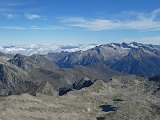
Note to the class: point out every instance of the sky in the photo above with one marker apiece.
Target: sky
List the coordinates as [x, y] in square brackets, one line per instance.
[79, 21]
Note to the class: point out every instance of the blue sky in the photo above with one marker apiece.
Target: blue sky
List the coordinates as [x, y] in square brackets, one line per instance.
[79, 21]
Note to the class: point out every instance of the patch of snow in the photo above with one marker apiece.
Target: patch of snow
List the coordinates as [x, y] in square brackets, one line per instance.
[124, 48]
[133, 46]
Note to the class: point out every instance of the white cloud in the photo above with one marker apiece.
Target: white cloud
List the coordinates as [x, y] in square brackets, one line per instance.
[12, 27]
[155, 40]
[95, 24]
[141, 21]
[151, 40]
[155, 13]
[33, 28]
[32, 16]
[41, 49]
[9, 16]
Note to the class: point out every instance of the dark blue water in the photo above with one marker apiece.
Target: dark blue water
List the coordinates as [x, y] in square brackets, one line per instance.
[108, 108]
[100, 118]
[118, 100]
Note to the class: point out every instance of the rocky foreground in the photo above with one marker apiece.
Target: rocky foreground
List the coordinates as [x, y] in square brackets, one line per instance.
[135, 98]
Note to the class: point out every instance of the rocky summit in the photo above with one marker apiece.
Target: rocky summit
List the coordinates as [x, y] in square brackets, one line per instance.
[122, 98]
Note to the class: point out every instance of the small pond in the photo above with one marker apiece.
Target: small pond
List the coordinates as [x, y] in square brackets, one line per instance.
[108, 108]
[118, 100]
[100, 118]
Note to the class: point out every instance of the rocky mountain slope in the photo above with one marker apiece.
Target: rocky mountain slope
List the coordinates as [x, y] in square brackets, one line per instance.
[139, 62]
[120, 57]
[132, 97]
[20, 74]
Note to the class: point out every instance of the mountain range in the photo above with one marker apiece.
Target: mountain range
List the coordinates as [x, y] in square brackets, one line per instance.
[110, 81]
[132, 58]
[48, 73]
[31, 74]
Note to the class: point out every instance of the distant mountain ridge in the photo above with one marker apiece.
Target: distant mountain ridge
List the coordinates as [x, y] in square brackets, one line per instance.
[132, 58]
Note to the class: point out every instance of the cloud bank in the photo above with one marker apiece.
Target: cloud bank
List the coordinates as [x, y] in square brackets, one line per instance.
[42, 49]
